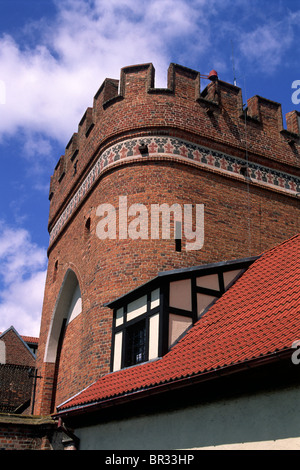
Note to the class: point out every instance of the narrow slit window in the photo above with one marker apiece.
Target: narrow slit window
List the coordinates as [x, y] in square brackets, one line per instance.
[87, 225]
[55, 270]
[178, 236]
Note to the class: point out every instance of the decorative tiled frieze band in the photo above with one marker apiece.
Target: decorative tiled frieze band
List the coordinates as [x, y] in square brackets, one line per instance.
[173, 147]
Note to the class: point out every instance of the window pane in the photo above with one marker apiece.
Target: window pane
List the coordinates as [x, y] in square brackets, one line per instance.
[136, 308]
[154, 298]
[119, 316]
[135, 344]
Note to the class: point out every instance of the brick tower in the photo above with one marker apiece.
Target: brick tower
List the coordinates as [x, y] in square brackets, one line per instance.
[144, 145]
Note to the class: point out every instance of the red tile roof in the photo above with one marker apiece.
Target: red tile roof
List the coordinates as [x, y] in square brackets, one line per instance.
[30, 339]
[257, 317]
[27, 339]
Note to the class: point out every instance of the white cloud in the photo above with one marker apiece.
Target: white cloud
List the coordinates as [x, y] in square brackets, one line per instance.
[21, 305]
[22, 281]
[49, 85]
[48, 79]
[265, 35]
[267, 44]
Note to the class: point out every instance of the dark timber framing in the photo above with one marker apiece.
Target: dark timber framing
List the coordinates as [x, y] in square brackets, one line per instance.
[162, 282]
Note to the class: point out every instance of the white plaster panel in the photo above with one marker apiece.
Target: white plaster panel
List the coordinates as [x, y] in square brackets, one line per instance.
[178, 324]
[229, 276]
[180, 294]
[76, 305]
[118, 351]
[209, 282]
[203, 302]
[153, 336]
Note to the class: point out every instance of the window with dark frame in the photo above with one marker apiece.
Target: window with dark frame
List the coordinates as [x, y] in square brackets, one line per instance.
[142, 323]
[135, 344]
[134, 324]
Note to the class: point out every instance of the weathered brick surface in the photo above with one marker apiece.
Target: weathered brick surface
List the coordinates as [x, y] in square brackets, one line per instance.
[15, 381]
[16, 351]
[241, 219]
[180, 110]
[28, 433]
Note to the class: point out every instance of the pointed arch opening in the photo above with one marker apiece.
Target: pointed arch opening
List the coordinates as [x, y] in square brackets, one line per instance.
[68, 307]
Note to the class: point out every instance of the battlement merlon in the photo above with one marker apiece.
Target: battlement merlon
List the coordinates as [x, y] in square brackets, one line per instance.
[184, 83]
[122, 107]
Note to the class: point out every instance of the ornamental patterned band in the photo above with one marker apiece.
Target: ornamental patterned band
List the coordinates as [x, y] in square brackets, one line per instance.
[169, 147]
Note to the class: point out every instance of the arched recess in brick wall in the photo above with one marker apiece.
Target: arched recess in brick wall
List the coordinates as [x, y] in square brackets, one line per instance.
[68, 307]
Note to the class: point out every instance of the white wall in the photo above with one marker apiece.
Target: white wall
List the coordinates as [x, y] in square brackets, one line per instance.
[2, 352]
[266, 420]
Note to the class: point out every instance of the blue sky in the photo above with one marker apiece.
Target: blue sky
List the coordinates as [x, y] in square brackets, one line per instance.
[54, 55]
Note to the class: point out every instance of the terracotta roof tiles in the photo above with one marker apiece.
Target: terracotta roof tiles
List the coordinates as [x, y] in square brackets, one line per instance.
[257, 316]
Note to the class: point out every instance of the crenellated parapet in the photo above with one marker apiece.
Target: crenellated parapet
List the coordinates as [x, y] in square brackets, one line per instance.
[215, 119]
[229, 168]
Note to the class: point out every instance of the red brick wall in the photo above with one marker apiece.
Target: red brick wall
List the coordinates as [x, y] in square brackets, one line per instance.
[240, 219]
[22, 433]
[108, 269]
[16, 350]
[179, 110]
[16, 385]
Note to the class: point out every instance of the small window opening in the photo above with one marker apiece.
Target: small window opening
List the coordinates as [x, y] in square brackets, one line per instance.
[135, 344]
[55, 270]
[88, 224]
[178, 236]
